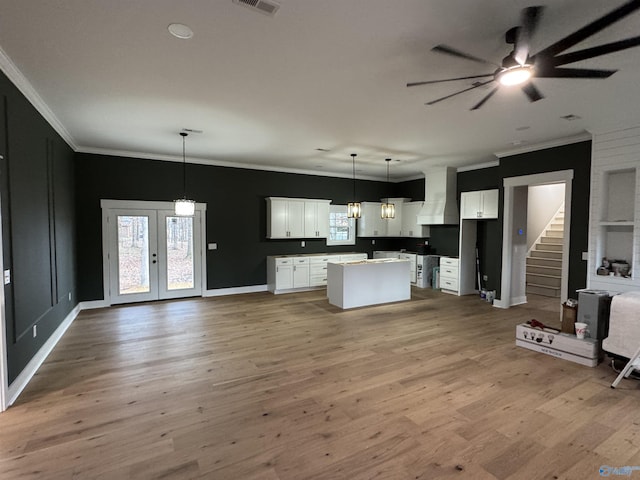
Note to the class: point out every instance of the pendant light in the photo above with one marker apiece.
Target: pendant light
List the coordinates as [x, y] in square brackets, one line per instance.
[353, 208]
[388, 210]
[184, 207]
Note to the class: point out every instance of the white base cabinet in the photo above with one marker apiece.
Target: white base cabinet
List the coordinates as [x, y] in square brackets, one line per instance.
[294, 273]
[449, 282]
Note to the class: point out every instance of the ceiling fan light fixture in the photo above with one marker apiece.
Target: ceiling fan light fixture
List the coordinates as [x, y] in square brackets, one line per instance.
[515, 75]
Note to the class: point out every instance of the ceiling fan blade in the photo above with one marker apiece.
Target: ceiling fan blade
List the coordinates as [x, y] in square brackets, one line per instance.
[573, 73]
[590, 29]
[428, 82]
[529, 23]
[479, 84]
[487, 97]
[596, 51]
[457, 53]
[532, 92]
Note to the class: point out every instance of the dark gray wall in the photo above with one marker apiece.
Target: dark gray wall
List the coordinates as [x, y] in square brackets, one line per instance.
[38, 221]
[236, 214]
[576, 157]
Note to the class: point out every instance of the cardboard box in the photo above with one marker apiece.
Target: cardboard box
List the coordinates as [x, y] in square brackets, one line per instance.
[569, 315]
[559, 345]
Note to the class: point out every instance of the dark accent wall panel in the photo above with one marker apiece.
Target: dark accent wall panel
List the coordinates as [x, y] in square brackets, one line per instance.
[576, 157]
[38, 221]
[236, 212]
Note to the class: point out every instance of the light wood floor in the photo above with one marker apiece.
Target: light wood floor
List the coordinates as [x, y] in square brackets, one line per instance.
[287, 387]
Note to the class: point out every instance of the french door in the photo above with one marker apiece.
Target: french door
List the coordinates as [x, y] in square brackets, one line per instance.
[153, 255]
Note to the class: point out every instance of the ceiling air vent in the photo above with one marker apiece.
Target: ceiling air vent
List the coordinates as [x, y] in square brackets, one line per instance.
[262, 6]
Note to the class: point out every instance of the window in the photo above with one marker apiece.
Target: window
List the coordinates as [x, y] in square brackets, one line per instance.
[342, 230]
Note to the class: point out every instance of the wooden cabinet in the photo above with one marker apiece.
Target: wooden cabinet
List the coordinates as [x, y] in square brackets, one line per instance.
[449, 275]
[297, 218]
[410, 227]
[316, 218]
[481, 204]
[285, 218]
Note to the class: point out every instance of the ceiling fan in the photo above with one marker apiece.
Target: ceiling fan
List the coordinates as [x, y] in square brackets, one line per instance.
[520, 66]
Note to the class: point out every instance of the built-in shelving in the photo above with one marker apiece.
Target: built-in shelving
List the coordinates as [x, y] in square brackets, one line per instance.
[615, 219]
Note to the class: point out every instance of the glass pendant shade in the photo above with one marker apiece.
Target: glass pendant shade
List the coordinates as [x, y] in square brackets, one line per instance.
[388, 210]
[182, 206]
[354, 210]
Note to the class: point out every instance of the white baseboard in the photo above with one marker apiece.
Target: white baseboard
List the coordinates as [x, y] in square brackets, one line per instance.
[93, 304]
[218, 292]
[25, 376]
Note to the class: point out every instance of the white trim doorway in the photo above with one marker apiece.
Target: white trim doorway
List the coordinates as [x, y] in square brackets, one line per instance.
[155, 210]
[513, 277]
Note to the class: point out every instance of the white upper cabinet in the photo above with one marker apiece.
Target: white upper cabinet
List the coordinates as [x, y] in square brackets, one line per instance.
[371, 223]
[410, 227]
[297, 218]
[316, 218]
[480, 204]
[405, 223]
[285, 218]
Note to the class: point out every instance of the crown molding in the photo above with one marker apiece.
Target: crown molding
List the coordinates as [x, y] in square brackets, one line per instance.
[479, 166]
[543, 145]
[220, 163]
[20, 81]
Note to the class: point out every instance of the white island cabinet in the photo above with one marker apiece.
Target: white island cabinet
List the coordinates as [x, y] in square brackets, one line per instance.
[368, 282]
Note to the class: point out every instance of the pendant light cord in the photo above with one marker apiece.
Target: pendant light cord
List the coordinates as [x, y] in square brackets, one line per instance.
[353, 160]
[184, 164]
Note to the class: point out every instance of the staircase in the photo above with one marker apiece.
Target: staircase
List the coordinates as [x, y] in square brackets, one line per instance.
[544, 262]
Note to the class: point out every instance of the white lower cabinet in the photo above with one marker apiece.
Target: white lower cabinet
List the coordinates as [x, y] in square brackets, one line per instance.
[449, 268]
[303, 272]
[300, 272]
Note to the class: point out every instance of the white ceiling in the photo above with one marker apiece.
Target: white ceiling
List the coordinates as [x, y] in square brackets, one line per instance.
[331, 74]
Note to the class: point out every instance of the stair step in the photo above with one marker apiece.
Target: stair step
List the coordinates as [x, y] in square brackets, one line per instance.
[545, 270]
[545, 262]
[556, 225]
[545, 280]
[543, 290]
[551, 239]
[546, 254]
[551, 247]
[554, 233]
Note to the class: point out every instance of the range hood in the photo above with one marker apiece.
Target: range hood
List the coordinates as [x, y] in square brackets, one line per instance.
[440, 198]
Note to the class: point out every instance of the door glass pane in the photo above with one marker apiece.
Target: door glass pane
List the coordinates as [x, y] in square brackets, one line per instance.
[180, 271]
[133, 254]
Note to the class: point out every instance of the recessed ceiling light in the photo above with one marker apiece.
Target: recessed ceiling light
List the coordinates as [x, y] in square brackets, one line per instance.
[180, 30]
[571, 117]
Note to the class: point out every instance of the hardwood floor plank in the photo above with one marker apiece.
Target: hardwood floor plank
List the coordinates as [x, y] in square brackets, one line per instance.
[285, 387]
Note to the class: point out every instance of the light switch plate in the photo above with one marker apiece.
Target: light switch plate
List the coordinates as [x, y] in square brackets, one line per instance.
[585, 255]
[212, 246]
[7, 277]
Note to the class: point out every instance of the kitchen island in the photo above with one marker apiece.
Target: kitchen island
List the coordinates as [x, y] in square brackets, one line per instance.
[368, 282]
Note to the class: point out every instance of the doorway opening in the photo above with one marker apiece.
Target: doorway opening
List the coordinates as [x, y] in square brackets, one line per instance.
[516, 243]
[149, 253]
